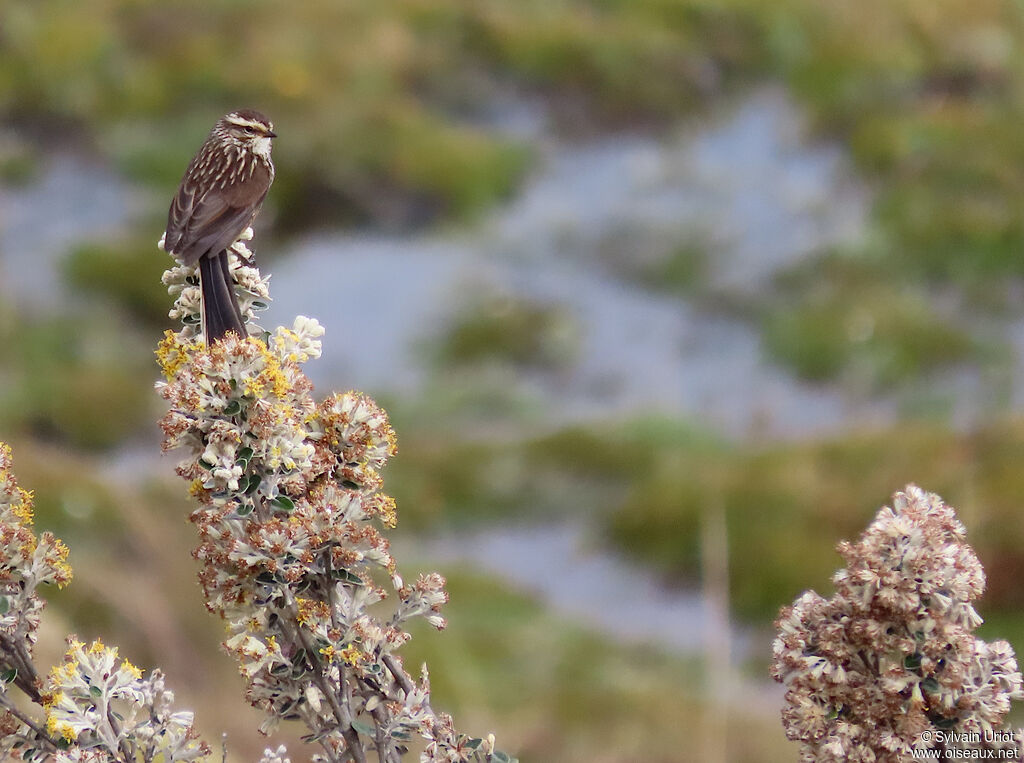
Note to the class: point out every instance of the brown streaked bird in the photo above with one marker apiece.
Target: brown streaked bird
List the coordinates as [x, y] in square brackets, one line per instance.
[220, 195]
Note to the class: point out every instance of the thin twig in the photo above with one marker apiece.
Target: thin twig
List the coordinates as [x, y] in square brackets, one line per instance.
[343, 717]
[36, 728]
[26, 669]
[123, 744]
[385, 751]
[400, 675]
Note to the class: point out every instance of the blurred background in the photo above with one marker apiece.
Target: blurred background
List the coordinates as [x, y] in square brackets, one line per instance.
[665, 298]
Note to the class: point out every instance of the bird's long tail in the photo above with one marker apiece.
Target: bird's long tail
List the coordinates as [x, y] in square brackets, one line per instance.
[221, 313]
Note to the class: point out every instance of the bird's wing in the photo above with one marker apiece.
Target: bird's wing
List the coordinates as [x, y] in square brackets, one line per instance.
[179, 216]
[205, 224]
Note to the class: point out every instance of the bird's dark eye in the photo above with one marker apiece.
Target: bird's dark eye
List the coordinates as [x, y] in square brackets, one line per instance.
[249, 130]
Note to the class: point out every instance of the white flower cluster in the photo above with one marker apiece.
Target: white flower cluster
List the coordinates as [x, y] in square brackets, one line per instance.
[290, 522]
[279, 755]
[26, 562]
[96, 708]
[251, 289]
[889, 664]
[104, 711]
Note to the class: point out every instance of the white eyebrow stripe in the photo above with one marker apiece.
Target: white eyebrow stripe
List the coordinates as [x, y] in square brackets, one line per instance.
[242, 122]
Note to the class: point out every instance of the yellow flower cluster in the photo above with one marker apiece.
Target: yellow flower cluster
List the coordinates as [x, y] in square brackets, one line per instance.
[89, 689]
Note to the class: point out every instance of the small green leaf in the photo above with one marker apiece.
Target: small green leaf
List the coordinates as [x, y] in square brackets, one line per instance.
[472, 744]
[244, 510]
[5, 605]
[284, 503]
[191, 320]
[254, 483]
[205, 464]
[912, 661]
[348, 577]
[364, 728]
[930, 685]
[257, 305]
[96, 691]
[244, 456]
[233, 408]
[8, 676]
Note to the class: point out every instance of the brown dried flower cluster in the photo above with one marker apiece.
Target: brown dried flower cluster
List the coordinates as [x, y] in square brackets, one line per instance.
[889, 665]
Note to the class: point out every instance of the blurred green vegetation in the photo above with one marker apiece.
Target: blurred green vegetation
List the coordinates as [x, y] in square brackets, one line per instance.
[126, 273]
[682, 273]
[84, 379]
[787, 505]
[388, 114]
[382, 99]
[563, 693]
[927, 107]
[516, 331]
[380, 102]
[839, 314]
[926, 97]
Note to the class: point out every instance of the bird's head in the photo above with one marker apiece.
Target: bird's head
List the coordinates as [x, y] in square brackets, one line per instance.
[247, 129]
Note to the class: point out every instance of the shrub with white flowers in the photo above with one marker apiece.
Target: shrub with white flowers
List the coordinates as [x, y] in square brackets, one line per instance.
[95, 706]
[888, 666]
[291, 526]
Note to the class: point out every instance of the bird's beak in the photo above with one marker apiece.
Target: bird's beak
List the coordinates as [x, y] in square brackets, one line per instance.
[271, 134]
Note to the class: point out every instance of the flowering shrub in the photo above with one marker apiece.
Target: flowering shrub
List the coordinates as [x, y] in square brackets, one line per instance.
[96, 709]
[111, 712]
[290, 520]
[888, 665]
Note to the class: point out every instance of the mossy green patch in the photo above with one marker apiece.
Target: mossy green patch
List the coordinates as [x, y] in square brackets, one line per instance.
[840, 315]
[510, 330]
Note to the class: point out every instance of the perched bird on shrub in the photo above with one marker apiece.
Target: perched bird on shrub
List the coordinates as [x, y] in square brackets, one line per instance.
[220, 195]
